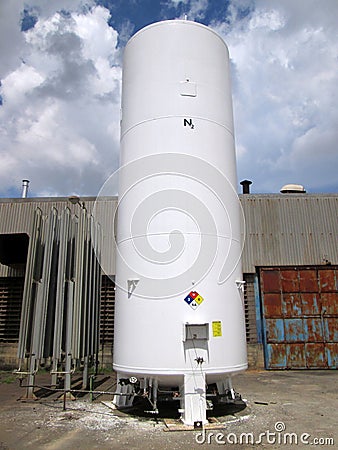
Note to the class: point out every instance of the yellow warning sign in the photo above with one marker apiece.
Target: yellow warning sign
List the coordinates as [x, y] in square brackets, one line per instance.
[217, 328]
[199, 299]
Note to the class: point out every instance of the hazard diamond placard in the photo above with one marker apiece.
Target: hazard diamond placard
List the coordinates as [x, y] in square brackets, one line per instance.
[194, 299]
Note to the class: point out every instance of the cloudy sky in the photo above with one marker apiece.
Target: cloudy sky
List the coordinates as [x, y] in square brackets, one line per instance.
[60, 72]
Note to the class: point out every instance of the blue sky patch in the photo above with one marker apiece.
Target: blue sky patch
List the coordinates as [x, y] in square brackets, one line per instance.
[28, 19]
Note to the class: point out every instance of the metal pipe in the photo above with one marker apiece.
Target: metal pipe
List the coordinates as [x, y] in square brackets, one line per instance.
[25, 184]
[61, 291]
[68, 343]
[39, 323]
[64, 400]
[27, 297]
[55, 372]
[91, 383]
[246, 186]
[79, 391]
[155, 387]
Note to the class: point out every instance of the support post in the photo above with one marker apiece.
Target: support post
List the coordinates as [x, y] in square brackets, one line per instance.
[85, 373]
[31, 379]
[69, 356]
[193, 401]
[154, 399]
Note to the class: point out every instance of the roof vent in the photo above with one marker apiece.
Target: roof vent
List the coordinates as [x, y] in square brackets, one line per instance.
[293, 189]
[25, 185]
[246, 186]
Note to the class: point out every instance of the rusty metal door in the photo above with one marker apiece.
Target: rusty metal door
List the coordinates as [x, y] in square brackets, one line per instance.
[300, 317]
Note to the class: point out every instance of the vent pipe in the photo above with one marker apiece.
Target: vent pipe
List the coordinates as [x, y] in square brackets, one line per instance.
[25, 184]
[246, 186]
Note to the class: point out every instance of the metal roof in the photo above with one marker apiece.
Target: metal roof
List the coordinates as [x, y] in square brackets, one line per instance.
[281, 229]
[290, 229]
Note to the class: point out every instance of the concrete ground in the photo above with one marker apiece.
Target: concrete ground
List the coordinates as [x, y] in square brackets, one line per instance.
[285, 409]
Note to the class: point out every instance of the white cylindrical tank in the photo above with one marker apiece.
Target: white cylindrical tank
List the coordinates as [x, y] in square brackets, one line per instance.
[179, 307]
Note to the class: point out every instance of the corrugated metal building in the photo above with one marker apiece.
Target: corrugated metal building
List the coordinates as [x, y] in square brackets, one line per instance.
[290, 264]
[47, 262]
[290, 260]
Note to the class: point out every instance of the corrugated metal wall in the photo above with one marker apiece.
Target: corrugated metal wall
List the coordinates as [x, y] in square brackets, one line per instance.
[17, 215]
[289, 229]
[281, 229]
[17, 218]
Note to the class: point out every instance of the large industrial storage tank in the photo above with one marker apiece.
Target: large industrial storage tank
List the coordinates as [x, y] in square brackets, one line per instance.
[179, 317]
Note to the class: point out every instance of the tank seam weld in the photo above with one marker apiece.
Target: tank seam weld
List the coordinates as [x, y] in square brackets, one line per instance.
[189, 233]
[176, 116]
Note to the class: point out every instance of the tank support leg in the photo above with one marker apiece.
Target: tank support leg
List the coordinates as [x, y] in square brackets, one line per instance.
[225, 387]
[155, 388]
[124, 394]
[193, 401]
[226, 392]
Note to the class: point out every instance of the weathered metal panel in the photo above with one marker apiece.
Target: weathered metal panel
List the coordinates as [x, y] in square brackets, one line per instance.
[294, 331]
[272, 305]
[315, 356]
[290, 230]
[330, 326]
[291, 304]
[327, 280]
[274, 330]
[300, 317]
[310, 304]
[332, 355]
[329, 303]
[295, 356]
[290, 280]
[271, 281]
[276, 356]
[308, 281]
[313, 329]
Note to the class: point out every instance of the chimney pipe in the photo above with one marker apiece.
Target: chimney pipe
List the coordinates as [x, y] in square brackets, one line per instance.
[246, 186]
[25, 184]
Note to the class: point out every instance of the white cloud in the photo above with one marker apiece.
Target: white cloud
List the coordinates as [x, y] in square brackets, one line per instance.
[18, 83]
[98, 39]
[60, 112]
[284, 58]
[11, 38]
[197, 9]
[194, 9]
[175, 3]
[59, 122]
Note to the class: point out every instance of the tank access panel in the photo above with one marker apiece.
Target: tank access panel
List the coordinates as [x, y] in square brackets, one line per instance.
[198, 331]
